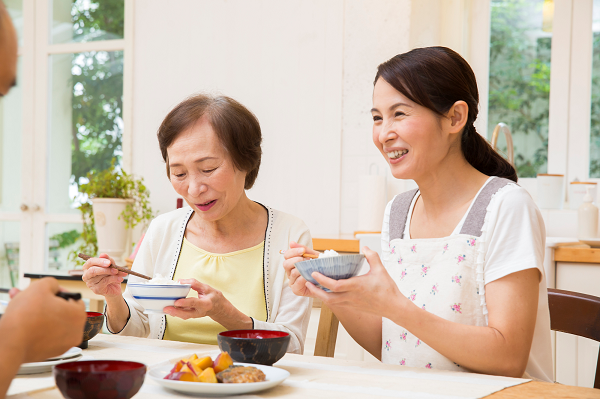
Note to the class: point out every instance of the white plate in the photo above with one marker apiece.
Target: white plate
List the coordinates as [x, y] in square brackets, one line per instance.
[72, 355]
[275, 376]
[592, 242]
[74, 351]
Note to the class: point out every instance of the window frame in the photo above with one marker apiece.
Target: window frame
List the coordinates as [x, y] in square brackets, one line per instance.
[36, 80]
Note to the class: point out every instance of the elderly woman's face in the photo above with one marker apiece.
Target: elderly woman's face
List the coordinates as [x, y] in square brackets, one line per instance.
[202, 173]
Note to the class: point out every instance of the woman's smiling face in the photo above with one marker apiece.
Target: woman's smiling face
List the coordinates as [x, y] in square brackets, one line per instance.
[409, 136]
[201, 171]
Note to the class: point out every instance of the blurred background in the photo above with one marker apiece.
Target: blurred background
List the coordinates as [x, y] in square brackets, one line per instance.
[97, 77]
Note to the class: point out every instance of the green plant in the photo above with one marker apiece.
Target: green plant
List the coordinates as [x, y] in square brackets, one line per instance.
[66, 238]
[112, 183]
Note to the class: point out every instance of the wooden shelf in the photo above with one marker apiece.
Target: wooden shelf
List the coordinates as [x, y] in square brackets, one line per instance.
[351, 245]
[577, 255]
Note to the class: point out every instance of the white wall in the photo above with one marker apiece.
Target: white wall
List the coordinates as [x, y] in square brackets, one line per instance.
[372, 35]
[306, 69]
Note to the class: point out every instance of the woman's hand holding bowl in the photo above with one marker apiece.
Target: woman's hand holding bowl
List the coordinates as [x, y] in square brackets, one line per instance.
[296, 281]
[375, 292]
[208, 302]
[101, 278]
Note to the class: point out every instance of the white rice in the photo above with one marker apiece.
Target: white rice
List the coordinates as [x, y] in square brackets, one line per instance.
[160, 280]
[328, 254]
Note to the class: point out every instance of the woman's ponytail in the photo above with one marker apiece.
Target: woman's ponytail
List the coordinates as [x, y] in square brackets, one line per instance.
[480, 154]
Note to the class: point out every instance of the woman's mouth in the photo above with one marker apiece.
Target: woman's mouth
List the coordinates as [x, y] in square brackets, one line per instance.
[206, 206]
[396, 156]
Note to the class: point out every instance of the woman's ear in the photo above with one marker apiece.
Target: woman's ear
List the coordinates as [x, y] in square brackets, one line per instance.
[457, 116]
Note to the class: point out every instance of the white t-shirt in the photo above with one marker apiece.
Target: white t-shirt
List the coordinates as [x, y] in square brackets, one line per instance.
[515, 242]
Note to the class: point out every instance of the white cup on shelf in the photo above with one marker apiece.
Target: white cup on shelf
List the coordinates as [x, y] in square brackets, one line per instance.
[550, 191]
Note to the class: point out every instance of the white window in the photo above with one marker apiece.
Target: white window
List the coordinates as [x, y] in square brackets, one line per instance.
[70, 122]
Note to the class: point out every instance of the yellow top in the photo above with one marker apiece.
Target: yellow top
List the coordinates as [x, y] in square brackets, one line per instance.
[238, 275]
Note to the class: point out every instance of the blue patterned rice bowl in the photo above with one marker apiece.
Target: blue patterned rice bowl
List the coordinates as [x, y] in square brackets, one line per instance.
[336, 267]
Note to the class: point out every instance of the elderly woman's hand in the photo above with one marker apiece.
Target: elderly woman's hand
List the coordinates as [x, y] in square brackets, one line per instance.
[208, 303]
[293, 256]
[102, 279]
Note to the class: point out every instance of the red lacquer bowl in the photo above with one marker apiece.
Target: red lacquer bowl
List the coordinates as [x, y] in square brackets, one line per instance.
[93, 326]
[96, 379]
[254, 346]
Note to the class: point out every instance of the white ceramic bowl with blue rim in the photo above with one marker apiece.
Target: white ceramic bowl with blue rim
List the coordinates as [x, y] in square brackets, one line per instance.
[155, 297]
[336, 267]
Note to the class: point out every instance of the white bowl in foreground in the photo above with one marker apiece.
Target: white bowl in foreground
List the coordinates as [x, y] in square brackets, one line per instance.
[155, 297]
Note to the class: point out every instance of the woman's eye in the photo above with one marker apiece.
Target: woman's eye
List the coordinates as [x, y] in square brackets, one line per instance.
[209, 171]
[399, 113]
[376, 118]
[180, 175]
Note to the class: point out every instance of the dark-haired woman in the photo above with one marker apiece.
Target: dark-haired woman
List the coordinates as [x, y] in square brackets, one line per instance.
[461, 284]
[224, 244]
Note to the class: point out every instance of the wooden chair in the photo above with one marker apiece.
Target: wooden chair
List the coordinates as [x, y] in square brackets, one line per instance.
[577, 314]
[326, 333]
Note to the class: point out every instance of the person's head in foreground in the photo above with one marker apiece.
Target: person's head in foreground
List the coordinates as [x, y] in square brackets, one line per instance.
[8, 52]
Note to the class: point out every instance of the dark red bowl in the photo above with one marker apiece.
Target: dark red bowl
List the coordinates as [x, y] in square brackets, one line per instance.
[99, 379]
[93, 326]
[254, 346]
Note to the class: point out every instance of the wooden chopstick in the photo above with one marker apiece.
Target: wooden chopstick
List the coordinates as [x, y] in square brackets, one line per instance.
[119, 268]
[310, 256]
[304, 255]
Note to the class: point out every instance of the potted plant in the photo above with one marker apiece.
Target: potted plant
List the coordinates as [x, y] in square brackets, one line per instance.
[115, 202]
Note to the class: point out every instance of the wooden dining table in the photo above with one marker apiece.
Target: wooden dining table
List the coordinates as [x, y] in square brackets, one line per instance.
[310, 376]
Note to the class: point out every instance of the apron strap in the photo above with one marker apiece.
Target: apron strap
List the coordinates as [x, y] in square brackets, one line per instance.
[399, 213]
[476, 217]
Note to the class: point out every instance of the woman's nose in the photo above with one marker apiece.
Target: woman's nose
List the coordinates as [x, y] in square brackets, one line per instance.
[197, 187]
[387, 132]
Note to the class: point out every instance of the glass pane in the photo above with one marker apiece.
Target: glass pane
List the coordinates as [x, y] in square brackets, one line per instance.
[595, 117]
[86, 20]
[10, 147]
[520, 45]
[15, 9]
[86, 124]
[10, 235]
[61, 240]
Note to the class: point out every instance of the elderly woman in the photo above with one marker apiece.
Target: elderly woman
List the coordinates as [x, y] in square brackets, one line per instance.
[224, 244]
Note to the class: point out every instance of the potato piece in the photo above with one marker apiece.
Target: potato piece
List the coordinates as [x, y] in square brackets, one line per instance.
[203, 363]
[177, 366]
[208, 375]
[222, 362]
[188, 377]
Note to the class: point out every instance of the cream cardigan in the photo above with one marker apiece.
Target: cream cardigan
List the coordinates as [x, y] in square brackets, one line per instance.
[159, 253]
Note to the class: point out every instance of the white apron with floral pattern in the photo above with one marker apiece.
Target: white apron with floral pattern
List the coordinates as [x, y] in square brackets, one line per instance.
[443, 276]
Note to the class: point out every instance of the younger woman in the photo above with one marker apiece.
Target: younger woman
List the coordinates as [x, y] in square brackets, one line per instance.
[461, 284]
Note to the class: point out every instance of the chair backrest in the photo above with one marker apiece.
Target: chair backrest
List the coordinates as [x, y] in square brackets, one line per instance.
[577, 314]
